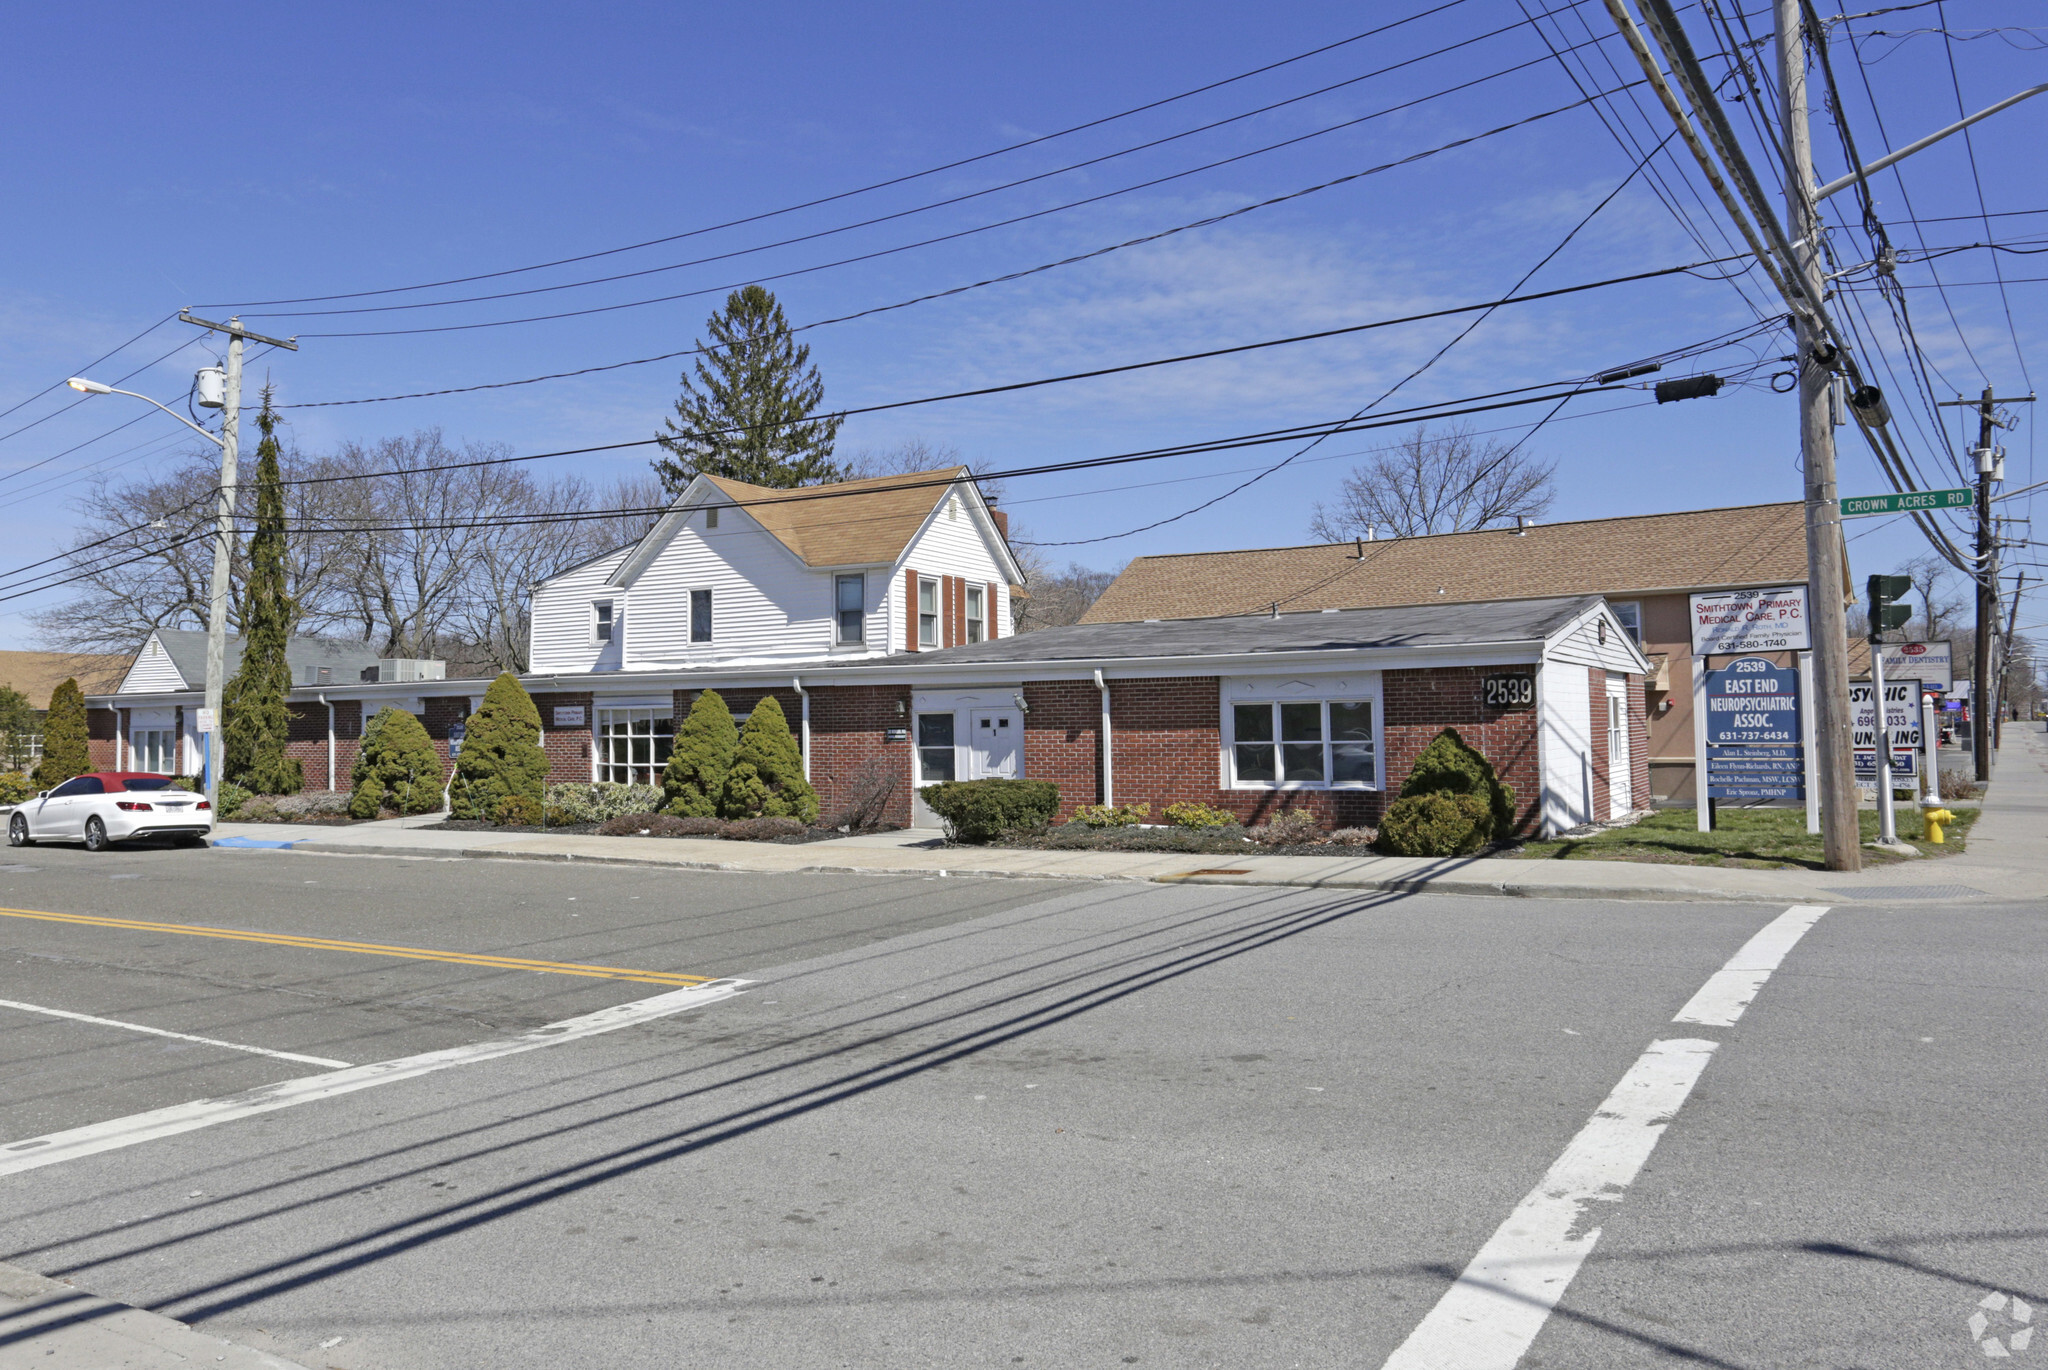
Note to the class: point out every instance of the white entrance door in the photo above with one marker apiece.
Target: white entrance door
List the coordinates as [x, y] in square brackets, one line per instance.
[1620, 791]
[995, 744]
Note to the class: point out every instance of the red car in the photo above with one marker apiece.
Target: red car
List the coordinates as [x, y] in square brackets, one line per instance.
[101, 808]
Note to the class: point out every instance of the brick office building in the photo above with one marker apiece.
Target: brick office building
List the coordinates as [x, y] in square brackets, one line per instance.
[895, 662]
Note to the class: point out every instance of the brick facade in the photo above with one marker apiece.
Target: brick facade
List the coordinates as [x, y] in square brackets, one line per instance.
[102, 728]
[567, 748]
[1062, 740]
[1421, 704]
[850, 748]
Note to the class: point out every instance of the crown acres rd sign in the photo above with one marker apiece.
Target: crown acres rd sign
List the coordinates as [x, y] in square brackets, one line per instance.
[1739, 621]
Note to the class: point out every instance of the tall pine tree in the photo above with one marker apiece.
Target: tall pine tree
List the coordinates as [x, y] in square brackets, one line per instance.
[746, 415]
[66, 751]
[258, 721]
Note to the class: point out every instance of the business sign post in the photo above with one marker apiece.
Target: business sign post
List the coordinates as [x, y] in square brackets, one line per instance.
[1931, 663]
[1748, 730]
[1755, 740]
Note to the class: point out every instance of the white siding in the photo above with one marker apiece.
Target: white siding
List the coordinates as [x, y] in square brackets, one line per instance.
[765, 603]
[1567, 745]
[561, 639]
[949, 546]
[152, 672]
[1582, 645]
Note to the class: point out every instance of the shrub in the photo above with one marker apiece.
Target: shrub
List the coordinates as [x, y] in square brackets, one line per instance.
[396, 768]
[660, 825]
[517, 810]
[188, 783]
[15, 786]
[1225, 840]
[978, 810]
[1436, 824]
[233, 799]
[629, 824]
[868, 793]
[65, 752]
[1958, 785]
[1352, 837]
[1289, 828]
[501, 757]
[1188, 814]
[597, 801]
[767, 775]
[313, 804]
[704, 750]
[763, 829]
[1449, 766]
[1112, 815]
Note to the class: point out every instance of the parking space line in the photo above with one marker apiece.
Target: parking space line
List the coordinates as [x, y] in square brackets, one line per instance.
[165, 1032]
[1492, 1314]
[281, 939]
[35, 1152]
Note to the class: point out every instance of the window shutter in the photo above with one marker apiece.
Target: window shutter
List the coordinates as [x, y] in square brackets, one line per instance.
[910, 610]
[989, 627]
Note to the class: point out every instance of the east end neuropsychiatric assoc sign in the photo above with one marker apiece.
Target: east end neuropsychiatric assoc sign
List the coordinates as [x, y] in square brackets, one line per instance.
[1754, 743]
[1750, 621]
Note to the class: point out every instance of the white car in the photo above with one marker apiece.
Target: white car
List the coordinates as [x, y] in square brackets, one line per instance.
[105, 807]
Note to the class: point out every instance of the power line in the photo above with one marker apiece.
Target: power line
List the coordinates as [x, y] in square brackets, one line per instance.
[877, 185]
[89, 365]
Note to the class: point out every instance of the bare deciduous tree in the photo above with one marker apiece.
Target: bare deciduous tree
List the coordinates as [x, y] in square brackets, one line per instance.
[1448, 482]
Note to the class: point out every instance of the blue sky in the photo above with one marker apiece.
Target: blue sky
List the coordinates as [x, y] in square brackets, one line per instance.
[155, 160]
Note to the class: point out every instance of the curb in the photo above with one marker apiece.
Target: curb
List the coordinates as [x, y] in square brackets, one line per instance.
[1394, 885]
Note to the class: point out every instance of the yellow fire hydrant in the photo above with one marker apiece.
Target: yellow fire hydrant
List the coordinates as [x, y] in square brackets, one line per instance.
[1934, 818]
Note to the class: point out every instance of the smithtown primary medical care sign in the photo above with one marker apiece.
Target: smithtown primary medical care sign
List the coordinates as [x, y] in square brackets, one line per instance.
[1750, 621]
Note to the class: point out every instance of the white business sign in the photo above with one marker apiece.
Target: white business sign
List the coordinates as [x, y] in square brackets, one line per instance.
[1930, 663]
[1750, 621]
[1902, 722]
[566, 717]
[204, 722]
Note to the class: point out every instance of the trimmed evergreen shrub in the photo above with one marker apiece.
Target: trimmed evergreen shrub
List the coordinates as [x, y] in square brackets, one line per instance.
[15, 787]
[233, 799]
[1112, 815]
[517, 811]
[1188, 814]
[65, 752]
[767, 776]
[396, 768]
[501, 757]
[1449, 765]
[979, 810]
[1436, 824]
[705, 747]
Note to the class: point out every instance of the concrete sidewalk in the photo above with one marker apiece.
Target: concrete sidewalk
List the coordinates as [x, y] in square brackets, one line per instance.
[48, 1323]
[2007, 857]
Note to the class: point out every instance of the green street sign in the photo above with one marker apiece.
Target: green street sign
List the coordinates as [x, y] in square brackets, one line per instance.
[1861, 506]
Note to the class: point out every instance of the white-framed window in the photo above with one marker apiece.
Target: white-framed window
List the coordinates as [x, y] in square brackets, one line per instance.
[633, 744]
[700, 616]
[154, 750]
[927, 613]
[603, 621]
[976, 615]
[1630, 614]
[850, 595]
[1322, 744]
[934, 748]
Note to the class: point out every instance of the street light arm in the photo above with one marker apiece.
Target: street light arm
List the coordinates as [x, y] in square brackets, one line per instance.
[110, 390]
[1844, 182]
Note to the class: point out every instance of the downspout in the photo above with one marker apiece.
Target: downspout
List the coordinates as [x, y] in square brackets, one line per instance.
[805, 695]
[322, 697]
[1108, 787]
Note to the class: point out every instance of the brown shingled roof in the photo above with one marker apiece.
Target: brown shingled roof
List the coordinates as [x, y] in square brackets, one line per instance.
[35, 674]
[1758, 544]
[865, 522]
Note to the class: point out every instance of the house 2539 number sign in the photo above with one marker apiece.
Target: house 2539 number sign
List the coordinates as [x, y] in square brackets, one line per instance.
[1510, 691]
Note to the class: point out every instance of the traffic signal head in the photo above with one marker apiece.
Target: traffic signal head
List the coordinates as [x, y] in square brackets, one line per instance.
[1886, 615]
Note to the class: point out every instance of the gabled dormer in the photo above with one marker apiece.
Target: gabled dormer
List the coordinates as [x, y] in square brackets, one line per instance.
[737, 573]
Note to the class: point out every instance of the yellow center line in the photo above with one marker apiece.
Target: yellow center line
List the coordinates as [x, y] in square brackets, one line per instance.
[279, 939]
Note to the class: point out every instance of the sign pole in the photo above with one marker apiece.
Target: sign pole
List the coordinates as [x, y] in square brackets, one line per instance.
[1887, 821]
[1806, 741]
[1700, 768]
[1930, 747]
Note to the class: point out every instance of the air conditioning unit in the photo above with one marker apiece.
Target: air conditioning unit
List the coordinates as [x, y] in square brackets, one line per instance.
[404, 669]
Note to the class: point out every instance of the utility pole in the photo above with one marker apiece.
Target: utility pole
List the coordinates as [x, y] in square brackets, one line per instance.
[1983, 702]
[224, 538]
[2012, 626]
[1841, 836]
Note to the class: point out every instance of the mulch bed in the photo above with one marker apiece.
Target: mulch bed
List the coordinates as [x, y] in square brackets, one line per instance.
[590, 830]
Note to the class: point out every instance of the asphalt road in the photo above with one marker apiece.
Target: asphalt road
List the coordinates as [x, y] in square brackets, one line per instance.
[968, 1122]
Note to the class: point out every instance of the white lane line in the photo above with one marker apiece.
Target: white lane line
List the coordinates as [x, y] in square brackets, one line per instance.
[1490, 1317]
[36, 1152]
[164, 1032]
[1730, 989]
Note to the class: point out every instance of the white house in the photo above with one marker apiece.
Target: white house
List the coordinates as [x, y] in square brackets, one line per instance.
[737, 574]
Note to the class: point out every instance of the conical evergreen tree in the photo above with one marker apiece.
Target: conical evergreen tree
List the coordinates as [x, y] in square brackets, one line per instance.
[501, 755]
[694, 778]
[767, 776]
[747, 413]
[396, 767]
[258, 721]
[65, 752]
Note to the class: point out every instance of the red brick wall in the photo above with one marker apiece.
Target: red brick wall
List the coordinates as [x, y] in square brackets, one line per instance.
[1061, 740]
[568, 749]
[848, 732]
[1421, 704]
[101, 728]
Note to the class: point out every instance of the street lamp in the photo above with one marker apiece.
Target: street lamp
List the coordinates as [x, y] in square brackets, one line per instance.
[224, 531]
